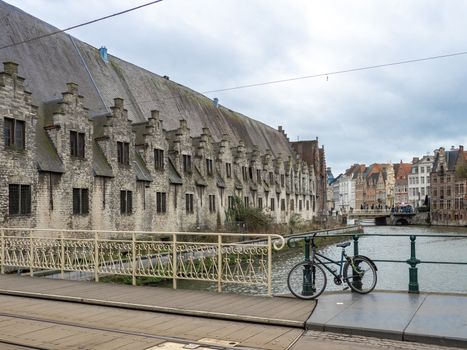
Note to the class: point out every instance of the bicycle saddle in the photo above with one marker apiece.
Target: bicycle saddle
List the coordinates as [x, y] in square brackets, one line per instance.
[343, 245]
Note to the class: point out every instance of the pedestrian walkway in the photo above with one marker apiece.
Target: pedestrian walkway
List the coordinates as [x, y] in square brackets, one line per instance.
[280, 311]
[335, 321]
[427, 318]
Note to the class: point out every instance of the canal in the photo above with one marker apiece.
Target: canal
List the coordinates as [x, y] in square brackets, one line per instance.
[391, 276]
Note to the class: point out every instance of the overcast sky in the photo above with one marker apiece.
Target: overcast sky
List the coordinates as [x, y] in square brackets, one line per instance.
[381, 115]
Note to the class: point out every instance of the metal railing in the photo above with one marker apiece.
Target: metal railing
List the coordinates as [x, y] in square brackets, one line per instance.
[210, 257]
[356, 212]
[412, 260]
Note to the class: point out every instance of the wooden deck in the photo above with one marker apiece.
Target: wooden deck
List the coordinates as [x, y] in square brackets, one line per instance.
[281, 311]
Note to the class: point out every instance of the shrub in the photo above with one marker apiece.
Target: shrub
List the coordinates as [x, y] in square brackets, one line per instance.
[254, 219]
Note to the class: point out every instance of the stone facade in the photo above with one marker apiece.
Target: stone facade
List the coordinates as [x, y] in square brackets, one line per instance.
[448, 190]
[104, 172]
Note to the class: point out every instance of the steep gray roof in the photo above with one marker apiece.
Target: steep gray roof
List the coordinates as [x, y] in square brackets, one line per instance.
[49, 63]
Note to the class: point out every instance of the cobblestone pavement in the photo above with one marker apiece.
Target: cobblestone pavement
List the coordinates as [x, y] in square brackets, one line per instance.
[326, 340]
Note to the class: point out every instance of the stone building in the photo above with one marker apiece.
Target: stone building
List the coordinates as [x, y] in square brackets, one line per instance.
[448, 190]
[122, 148]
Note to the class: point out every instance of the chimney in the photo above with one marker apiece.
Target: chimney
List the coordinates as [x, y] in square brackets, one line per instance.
[215, 102]
[72, 88]
[103, 54]
[118, 102]
[10, 68]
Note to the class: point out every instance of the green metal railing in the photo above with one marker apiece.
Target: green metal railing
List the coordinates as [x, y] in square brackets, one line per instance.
[412, 261]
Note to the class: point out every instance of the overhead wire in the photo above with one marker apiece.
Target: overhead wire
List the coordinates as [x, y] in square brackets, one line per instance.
[327, 74]
[79, 25]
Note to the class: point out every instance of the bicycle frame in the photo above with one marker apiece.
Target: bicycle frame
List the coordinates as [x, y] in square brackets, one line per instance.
[315, 256]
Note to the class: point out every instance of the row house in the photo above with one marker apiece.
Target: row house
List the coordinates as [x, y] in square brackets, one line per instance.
[401, 172]
[374, 187]
[63, 168]
[448, 188]
[419, 180]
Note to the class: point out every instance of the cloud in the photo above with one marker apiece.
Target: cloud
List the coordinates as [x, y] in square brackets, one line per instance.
[370, 116]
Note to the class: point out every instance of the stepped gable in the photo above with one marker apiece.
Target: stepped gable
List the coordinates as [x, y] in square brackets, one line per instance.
[51, 62]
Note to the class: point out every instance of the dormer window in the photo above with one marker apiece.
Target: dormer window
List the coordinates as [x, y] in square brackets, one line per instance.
[159, 159]
[77, 144]
[14, 133]
[228, 170]
[209, 167]
[123, 153]
[187, 164]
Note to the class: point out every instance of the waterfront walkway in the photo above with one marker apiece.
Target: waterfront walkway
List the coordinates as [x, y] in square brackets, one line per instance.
[57, 314]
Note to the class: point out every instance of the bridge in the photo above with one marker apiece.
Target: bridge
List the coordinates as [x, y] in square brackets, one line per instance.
[45, 313]
[383, 216]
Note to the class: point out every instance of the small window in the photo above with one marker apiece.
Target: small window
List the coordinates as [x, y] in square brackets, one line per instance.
[300, 207]
[80, 201]
[272, 205]
[250, 173]
[123, 153]
[244, 173]
[292, 205]
[282, 180]
[282, 204]
[158, 159]
[189, 203]
[209, 167]
[161, 202]
[228, 170]
[271, 178]
[260, 203]
[230, 203]
[246, 200]
[187, 164]
[307, 205]
[77, 144]
[14, 133]
[258, 175]
[19, 197]
[212, 203]
[126, 202]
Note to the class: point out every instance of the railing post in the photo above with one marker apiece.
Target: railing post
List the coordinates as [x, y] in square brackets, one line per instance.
[307, 273]
[219, 263]
[355, 245]
[31, 255]
[269, 266]
[133, 259]
[96, 258]
[356, 281]
[174, 261]
[413, 271]
[3, 251]
[62, 255]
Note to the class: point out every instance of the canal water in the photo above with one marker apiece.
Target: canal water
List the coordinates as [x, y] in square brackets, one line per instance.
[391, 276]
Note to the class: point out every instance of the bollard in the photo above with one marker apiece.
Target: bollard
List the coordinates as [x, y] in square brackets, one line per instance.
[413, 270]
[307, 273]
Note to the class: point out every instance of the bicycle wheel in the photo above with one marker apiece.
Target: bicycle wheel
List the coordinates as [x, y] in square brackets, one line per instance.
[306, 280]
[360, 274]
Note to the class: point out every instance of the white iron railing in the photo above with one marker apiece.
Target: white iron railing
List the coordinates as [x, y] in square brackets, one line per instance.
[211, 257]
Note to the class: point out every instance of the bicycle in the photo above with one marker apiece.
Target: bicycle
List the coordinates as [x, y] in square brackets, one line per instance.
[307, 279]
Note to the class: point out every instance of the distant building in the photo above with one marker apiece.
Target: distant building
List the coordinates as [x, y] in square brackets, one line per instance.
[401, 172]
[419, 180]
[448, 190]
